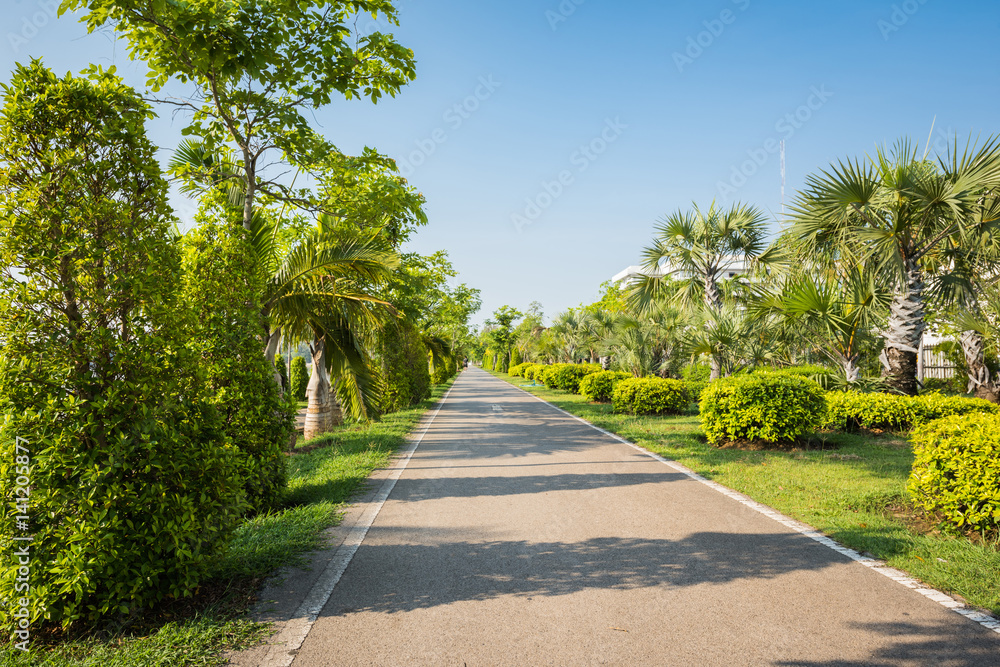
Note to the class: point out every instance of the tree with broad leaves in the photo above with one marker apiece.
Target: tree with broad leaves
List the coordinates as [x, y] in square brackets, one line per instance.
[258, 69]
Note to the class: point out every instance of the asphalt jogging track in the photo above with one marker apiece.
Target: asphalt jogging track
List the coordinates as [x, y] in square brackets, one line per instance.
[518, 534]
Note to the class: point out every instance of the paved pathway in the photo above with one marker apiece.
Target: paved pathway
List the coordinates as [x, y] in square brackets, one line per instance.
[517, 535]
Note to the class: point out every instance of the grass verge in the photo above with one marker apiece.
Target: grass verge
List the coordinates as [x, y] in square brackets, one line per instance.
[324, 474]
[850, 486]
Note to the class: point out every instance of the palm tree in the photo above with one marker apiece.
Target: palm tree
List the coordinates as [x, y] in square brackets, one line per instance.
[895, 212]
[844, 309]
[966, 292]
[701, 247]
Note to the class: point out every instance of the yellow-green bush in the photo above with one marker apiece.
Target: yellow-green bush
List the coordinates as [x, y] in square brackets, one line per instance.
[761, 408]
[851, 410]
[532, 371]
[598, 387]
[649, 396]
[956, 470]
[695, 389]
[567, 376]
[518, 370]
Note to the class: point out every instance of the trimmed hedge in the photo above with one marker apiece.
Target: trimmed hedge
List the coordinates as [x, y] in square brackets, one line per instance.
[598, 387]
[956, 471]
[851, 410]
[650, 396]
[762, 407]
[567, 376]
[820, 374]
[532, 371]
[518, 370]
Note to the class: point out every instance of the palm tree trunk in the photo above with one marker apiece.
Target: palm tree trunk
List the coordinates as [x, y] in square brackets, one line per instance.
[713, 301]
[322, 413]
[906, 328]
[980, 382]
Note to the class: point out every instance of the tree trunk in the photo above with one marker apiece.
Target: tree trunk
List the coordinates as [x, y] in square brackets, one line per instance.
[980, 382]
[713, 301]
[906, 328]
[322, 414]
[270, 350]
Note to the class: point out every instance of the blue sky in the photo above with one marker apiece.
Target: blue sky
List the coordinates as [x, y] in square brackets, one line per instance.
[549, 137]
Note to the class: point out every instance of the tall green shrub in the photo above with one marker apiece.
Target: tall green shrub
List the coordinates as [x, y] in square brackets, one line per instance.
[133, 487]
[515, 357]
[222, 284]
[300, 378]
[403, 357]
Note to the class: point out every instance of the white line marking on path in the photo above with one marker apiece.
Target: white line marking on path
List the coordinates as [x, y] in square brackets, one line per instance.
[899, 577]
[293, 634]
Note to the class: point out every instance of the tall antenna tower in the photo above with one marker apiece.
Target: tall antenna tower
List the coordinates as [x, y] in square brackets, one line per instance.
[782, 184]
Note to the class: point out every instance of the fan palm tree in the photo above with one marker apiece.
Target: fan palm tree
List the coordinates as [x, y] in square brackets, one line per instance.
[700, 247]
[845, 309]
[896, 211]
[966, 291]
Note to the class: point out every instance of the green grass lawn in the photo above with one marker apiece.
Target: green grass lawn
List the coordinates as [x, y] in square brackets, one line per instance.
[323, 475]
[852, 487]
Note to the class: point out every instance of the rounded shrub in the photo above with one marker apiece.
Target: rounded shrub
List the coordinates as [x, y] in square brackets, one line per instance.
[597, 387]
[956, 470]
[567, 376]
[533, 371]
[763, 408]
[518, 370]
[649, 396]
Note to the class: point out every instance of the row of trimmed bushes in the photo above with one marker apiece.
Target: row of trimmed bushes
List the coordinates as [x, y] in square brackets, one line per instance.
[850, 410]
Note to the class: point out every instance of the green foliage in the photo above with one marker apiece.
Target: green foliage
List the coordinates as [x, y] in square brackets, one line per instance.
[649, 396]
[256, 72]
[532, 372]
[518, 370]
[956, 471]
[223, 287]
[282, 368]
[763, 407]
[821, 375]
[696, 389]
[300, 378]
[133, 486]
[515, 357]
[696, 372]
[404, 370]
[598, 387]
[850, 410]
[443, 369]
[567, 376]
